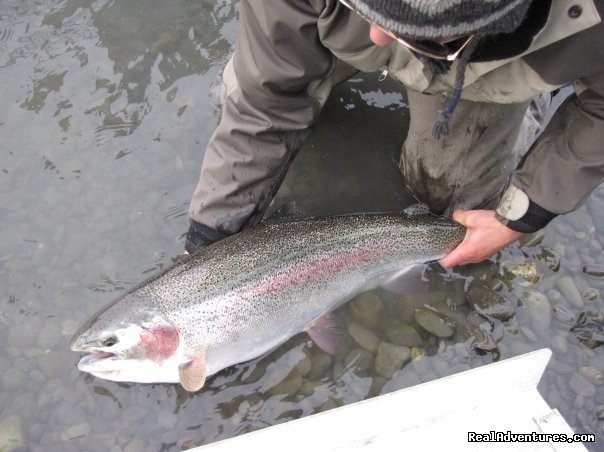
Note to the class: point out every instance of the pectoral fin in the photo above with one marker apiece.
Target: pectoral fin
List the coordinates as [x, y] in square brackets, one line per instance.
[193, 374]
[326, 333]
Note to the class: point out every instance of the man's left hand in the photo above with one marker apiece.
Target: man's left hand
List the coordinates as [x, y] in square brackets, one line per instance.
[485, 236]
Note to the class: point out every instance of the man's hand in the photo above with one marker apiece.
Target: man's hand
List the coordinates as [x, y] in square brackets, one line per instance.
[485, 236]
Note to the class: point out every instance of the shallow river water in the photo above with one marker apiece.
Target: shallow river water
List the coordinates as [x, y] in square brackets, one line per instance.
[106, 109]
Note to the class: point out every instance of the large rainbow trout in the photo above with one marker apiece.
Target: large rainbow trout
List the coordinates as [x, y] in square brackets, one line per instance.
[243, 296]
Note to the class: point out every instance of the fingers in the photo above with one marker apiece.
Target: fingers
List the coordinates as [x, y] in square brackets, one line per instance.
[458, 256]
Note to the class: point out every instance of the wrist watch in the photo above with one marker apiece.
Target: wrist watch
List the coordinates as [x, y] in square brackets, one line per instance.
[519, 213]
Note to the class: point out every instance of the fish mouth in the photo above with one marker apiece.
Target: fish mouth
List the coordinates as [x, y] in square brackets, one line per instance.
[94, 359]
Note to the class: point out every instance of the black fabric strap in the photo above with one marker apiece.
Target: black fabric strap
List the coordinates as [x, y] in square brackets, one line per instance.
[535, 218]
[199, 236]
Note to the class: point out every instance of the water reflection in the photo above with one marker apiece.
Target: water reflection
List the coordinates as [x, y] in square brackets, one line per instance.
[150, 44]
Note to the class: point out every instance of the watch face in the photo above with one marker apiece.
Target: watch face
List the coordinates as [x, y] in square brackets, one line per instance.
[514, 204]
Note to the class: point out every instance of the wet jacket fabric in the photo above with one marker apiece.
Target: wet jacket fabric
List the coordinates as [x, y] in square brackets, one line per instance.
[290, 54]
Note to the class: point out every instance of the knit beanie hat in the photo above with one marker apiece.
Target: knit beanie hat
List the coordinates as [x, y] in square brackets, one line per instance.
[433, 19]
[429, 19]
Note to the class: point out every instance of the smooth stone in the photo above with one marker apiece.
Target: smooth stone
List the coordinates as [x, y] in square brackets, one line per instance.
[53, 364]
[597, 271]
[367, 309]
[560, 367]
[23, 337]
[364, 337]
[50, 334]
[13, 379]
[553, 295]
[11, 433]
[69, 327]
[529, 334]
[554, 398]
[525, 269]
[569, 291]
[308, 388]
[134, 414]
[476, 336]
[406, 308]
[579, 402]
[390, 358]
[593, 374]
[490, 303]
[563, 315]
[591, 294]
[167, 419]
[511, 326]
[403, 380]
[289, 385]
[580, 385]
[474, 318]
[539, 311]
[77, 431]
[560, 344]
[433, 323]
[498, 332]
[136, 445]
[320, 364]
[104, 440]
[403, 334]
[304, 365]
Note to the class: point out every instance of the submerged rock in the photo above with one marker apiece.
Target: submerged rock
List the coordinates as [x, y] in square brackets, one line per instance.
[560, 344]
[433, 323]
[596, 271]
[367, 309]
[489, 303]
[591, 294]
[476, 336]
[525, 269]
[539, 311]
[403, 334]
[289, 385]
[589, 329]
[563, 315]
[390, 358]
[580, 385]
[569, 290]
[320, 364]
[593, 374]
[11, 434]
[364, 337]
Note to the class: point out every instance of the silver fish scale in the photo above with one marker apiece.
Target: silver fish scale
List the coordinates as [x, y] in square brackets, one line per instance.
[248, 293]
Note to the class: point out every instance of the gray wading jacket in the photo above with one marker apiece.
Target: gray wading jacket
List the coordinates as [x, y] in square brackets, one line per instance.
[289, 54]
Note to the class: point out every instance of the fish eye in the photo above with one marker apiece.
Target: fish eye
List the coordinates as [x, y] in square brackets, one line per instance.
[109, 341]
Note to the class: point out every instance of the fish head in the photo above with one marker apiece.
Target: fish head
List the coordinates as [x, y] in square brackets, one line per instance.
[142, 346]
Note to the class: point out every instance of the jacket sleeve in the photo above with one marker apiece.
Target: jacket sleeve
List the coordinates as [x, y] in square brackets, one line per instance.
[276, 83]
[567, 162]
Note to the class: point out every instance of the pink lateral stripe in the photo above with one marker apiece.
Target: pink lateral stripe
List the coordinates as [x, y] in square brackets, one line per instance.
[301, 274]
